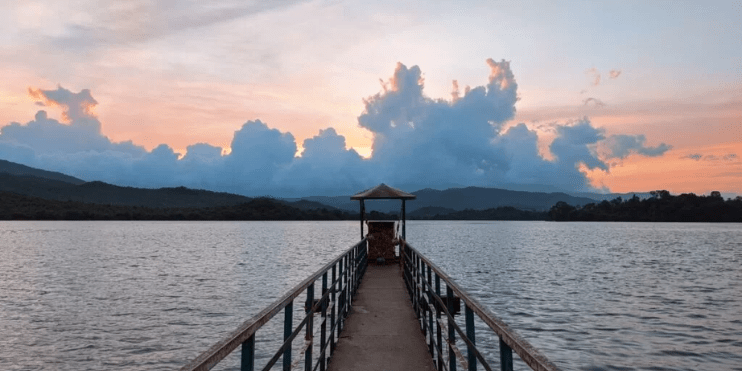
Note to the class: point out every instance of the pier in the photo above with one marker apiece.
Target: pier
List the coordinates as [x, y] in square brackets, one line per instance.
[381, 305]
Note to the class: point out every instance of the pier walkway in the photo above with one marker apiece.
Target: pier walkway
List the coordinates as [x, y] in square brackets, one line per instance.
[402, 314]
[382, 318]
[382, 333]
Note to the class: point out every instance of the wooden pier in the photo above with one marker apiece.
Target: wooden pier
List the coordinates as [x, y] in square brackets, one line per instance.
[400, 317]
[382, 332]
[397, 319]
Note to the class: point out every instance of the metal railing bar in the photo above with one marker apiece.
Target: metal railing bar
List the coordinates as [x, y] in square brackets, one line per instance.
[458, 354]
[294, 333]
[322, 352]
[477, 354]
[307, 344]
[217, 352]
[529, 354]
[454, 325]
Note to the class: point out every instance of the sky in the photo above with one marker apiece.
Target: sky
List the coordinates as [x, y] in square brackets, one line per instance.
[298, 98]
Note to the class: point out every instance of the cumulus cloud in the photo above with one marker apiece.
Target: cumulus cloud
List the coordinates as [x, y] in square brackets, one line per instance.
[418, 142]
[622, 145]
[77, 107]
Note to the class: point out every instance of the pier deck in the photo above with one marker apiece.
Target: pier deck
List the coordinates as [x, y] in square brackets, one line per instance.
[382, 333]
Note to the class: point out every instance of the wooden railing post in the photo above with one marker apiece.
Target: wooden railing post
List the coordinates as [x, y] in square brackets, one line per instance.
[248, 354]
[288, 325]
[431, 301]
[341, 297]
[471, 357]
[323, 328]
[451, 330]
[416, 270]
[439, 333]
[506, 357]
[310, 328]
[333, 289]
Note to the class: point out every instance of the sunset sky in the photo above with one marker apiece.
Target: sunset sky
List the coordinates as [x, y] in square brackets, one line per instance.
[614, 96]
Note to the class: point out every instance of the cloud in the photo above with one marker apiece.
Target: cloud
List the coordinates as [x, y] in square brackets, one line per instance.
[594, 102]
[101, 27]
[622, 145]
[694, 156]
[711, 158]
[418, 142]
[421, 142]
[77, 107]
[594, 76]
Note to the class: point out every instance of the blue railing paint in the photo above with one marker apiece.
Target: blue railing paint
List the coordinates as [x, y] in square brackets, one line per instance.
[346, 271]
[423, 282]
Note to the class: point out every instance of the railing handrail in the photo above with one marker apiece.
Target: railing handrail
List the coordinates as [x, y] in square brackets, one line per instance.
[527, 352]
[220, 350]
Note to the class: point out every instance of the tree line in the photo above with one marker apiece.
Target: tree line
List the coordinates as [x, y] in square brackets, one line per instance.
[661, 206]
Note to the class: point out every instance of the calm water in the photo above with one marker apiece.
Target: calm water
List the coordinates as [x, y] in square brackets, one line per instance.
[152, 295]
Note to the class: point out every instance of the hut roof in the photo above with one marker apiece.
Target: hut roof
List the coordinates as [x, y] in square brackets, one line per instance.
[383, 191]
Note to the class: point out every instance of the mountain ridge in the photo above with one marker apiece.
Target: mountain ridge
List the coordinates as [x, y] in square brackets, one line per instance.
[33, 182]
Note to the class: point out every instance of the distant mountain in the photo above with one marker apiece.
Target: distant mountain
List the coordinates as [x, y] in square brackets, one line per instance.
[458, 199]
[477, 198]
[610, 196]
[19, 207]
[428, 212]
[32, 182]
[23, 170]
[28, 181]
[108, 194]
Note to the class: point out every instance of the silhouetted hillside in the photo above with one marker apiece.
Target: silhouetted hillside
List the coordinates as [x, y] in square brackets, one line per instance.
[19, 207]
[23, 170]
[498, 213]
[475, 198]
[104, 193]
[429, 212]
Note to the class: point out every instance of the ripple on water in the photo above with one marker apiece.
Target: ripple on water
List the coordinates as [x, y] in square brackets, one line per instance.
[150, 296]
[624, 296]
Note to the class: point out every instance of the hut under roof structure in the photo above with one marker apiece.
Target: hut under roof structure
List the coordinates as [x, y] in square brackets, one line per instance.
[382, 230]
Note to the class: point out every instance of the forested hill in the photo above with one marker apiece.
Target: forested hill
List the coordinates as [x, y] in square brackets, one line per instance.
[19, 207]
[23, 170]
[661, 207]
[460, 199]
[103, 193]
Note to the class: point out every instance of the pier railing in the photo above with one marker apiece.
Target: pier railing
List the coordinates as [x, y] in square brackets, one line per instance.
[436, 315]
[340, 279]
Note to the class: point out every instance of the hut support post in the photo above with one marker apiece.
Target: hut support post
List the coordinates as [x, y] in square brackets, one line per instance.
[363, 210]
[404, 222]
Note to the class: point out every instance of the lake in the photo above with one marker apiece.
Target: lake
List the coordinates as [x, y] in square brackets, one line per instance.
[153, 295]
